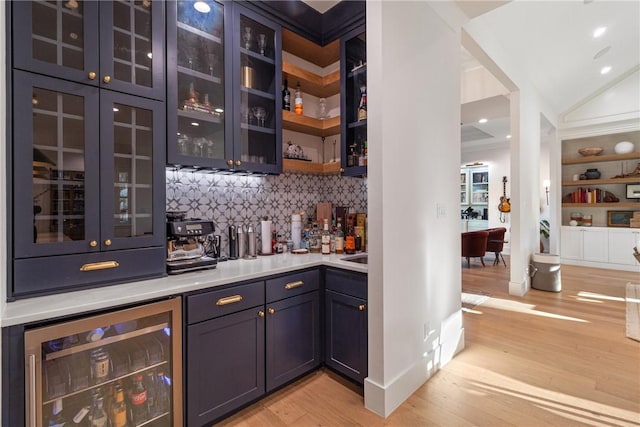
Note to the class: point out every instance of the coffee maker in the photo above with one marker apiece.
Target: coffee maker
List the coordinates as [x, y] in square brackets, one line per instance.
[191, 244]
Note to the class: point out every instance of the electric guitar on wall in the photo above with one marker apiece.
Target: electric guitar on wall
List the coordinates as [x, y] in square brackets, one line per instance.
[504, 205]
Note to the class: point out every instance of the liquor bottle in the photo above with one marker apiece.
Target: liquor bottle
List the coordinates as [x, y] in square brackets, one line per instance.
[339, 238]
[119, 410]
[350, 241]
[98, 415]
[326, 239]
[362, 108]
[286, 96]
[315, 244]
[358, 240]
[138, 401]
[365, 153]
[150, 386]
[298, 100]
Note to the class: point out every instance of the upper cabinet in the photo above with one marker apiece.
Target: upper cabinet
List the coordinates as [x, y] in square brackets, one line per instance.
[353, 66]
[88, 151]
[224, 74]
[117, 45]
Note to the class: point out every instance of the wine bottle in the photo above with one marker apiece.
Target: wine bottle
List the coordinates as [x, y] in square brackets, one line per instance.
[286, 96]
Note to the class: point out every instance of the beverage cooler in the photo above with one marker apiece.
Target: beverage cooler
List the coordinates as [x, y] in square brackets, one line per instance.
[122, 368]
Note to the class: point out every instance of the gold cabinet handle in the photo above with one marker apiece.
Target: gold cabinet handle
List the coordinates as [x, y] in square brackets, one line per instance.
[293, 285]
[92, 75]
[229, 300]
[93, 266]
[31, 402]
[238, 162]
[271, 311]
[230, 162]
[107, 242]
[93, 243]
[261, 313]
[106, 79]
[362, 307]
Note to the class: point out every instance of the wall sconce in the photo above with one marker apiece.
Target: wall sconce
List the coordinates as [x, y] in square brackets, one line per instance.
[547, 184]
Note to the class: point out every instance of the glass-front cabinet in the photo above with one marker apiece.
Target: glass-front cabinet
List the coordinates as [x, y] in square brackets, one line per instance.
[121, 368]
[112, 44]
[353, 78]
[198, 116]
[257, 76]
[464, 189]
[479, 186]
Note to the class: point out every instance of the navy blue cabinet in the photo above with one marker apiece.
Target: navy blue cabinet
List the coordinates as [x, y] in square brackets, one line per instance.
[110, 44]
[353, 102]
[346, 323]
[224, 68]
[225, 366]
[88, 186]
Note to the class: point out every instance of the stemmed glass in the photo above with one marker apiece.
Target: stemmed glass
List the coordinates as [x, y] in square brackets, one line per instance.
[259, 113]
[247, 37]
[262, 43]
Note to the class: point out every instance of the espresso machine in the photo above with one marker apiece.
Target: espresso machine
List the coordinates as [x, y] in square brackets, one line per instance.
[191, 244]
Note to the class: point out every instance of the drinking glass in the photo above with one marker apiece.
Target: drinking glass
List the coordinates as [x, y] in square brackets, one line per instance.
[260, 114]
[262, 43]
[247, 37]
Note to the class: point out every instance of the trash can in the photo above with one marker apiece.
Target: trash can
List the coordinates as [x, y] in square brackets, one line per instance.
[545, 272]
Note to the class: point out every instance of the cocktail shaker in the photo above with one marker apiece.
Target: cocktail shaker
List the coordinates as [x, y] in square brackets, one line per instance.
[233, 242]
[242, 242]
[251, 239]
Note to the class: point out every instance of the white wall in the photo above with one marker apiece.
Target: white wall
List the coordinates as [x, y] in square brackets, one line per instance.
[415, 322]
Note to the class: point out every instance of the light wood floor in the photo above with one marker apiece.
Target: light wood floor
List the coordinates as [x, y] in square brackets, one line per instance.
[548, 358]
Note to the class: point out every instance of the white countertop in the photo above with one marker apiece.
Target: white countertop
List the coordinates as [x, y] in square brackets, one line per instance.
[63, 304]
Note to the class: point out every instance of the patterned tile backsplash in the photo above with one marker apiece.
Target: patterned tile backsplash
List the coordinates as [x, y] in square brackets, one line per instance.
[234, 199]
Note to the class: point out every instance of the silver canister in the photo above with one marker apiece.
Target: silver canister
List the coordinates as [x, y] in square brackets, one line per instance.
[242, 242]
[251, 237]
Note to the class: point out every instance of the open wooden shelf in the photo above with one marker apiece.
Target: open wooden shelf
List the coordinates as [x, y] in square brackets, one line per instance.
[308, 50]
[301, 166]
[597, 159]
[592, 182]
[602, 205]
[310, 125]
[311, 83]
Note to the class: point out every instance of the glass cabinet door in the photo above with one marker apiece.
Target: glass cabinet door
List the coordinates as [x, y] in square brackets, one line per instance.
[117, 369]
[132, 172]
[58, 154]
[57, 38]
[479, 187]
[353, 57]
[132, 47]
[257, 142]
[464, 189]
[197, 102]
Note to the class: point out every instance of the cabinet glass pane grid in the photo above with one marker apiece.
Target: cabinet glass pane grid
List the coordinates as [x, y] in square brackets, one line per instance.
[132, 55]
[68, 31]
[57, 224]
[201, 97]
[133, 172]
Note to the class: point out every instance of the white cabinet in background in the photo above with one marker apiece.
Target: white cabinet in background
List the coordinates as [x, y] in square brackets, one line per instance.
[601, 247]
[621, 244]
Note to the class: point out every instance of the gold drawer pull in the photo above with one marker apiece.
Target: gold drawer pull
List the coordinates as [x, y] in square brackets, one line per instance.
[292, 285]
[99, 265]
[229, 300]
[362, 307]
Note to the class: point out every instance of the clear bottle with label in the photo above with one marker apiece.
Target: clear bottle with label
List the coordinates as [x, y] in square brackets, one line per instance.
[298, 100]
[286, 96]
[339, 237]
[326, 239]
[98, 415]
[315, 244]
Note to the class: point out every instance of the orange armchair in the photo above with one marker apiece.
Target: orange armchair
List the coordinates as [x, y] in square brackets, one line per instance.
[474, 245]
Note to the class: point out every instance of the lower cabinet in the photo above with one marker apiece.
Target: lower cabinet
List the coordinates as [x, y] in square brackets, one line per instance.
[346, 323]
[602, 247]
[238, 348]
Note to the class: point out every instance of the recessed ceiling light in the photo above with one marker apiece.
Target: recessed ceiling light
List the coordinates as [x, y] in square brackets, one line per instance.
[605, 70]
[483, 120]
[508, 136]
[598, 32]
[601, 52]
[195, 124]
[202, 7]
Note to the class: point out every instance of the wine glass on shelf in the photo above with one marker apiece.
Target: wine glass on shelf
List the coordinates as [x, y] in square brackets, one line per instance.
[260, 114]
[247, 37]
[262, 43]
